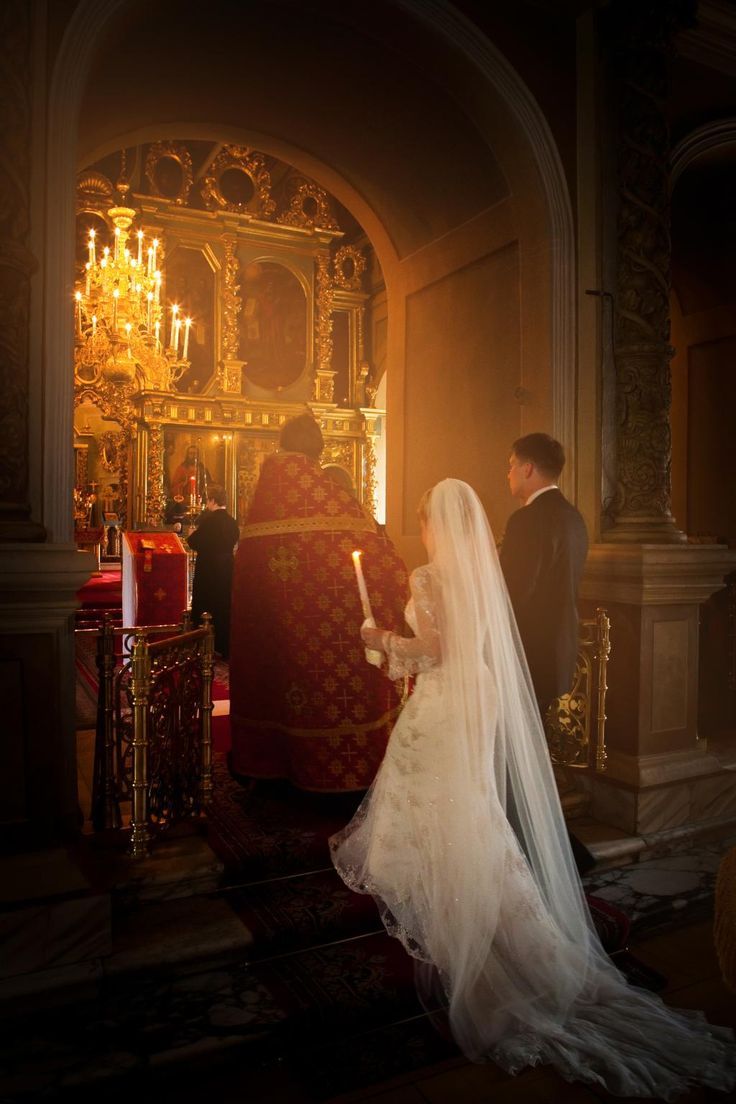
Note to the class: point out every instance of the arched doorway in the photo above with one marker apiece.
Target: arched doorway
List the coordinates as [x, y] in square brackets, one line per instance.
[455, 178]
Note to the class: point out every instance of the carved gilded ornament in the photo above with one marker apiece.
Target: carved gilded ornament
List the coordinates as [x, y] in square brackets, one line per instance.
[251, 164]
[570, 719]
[169, 151]
[348, 267]
[309, 207]
[339, 452]
[324, 384]
[232, 301]
[95, 193]
[369, 474]
[155, 496]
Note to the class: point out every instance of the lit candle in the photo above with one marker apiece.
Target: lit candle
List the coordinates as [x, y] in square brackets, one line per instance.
[177, 331]
[149, 297]
[153, 255]
[140, 246]
[94, 324]
[157, 332]
[157, 285]
[91, 247]
[187, 323]
[362, 588]
[115, 297]
[128, 328]
[78, 297]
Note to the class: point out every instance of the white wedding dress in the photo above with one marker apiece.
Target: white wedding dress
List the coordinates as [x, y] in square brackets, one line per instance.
[499, 913]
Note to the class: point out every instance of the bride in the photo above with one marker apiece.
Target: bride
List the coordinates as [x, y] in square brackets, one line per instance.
[498, 913]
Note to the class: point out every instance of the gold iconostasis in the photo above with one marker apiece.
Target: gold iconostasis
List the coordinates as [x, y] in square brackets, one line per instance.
[218, 292]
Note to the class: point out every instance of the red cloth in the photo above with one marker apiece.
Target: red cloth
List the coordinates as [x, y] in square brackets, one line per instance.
[158, 564]
[304, 703]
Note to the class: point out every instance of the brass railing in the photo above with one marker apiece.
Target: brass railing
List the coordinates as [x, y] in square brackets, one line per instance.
[153, 747]
[576, 722]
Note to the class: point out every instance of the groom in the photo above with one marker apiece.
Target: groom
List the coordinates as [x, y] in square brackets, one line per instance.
[542, 557]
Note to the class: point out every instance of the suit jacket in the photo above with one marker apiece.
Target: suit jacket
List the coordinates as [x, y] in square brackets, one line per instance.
[542, 558]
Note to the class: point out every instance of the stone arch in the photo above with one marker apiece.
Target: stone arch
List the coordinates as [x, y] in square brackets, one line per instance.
[81, 43]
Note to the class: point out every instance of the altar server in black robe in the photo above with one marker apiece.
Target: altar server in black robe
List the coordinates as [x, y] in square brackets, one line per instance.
[214, 541]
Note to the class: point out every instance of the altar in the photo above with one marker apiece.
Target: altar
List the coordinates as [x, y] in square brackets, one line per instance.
[248, 312]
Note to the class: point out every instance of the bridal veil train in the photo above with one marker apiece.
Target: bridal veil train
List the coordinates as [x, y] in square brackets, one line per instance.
[499, 912]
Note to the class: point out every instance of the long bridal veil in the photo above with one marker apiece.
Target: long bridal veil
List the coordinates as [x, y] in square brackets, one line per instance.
[499, 912]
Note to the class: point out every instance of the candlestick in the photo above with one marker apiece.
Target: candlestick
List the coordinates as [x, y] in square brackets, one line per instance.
[187, 324]
[115, 297]
[362, 588]
[149, 297]
[91, 247]
[174, 312]
[78, 297]
[117, 242]
[177, 331]
[153, 255]
[128, 328]
[157, 331]
[88, 268]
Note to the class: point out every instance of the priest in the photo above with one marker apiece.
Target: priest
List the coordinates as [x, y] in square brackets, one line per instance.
[304, 703]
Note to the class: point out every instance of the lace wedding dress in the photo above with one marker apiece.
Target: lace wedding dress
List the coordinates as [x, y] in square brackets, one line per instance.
[497, 912]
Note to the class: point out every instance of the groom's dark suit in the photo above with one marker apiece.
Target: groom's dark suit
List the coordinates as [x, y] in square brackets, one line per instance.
[542, 557]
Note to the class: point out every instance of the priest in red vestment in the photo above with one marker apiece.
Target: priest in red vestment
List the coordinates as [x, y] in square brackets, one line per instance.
[304, 703]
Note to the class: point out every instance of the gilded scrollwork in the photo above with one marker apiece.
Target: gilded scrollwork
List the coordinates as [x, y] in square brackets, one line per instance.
[155, 495]
[349, 266]
[309, 206]
[95, 193]
[324, 384]
[253, 165]
[570, 718]
[232, 301]
[169, 151]
[369, 474]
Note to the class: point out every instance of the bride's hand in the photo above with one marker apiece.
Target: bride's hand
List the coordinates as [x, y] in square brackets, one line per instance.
[373, 638]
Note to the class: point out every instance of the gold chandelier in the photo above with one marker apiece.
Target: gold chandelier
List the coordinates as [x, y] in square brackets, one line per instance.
[119, 320]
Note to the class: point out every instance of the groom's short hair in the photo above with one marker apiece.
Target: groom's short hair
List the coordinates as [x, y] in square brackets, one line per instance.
[541, 450]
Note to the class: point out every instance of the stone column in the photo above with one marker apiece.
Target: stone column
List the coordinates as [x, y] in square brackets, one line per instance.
[661, 776]
[638, 40]
[38, 579]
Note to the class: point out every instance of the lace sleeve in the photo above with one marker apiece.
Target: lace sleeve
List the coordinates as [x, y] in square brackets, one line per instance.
[412, 655]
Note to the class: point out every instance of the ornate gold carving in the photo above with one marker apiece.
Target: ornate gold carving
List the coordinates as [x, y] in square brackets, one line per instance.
[339, 452]
[111, 449]
[369, 474]
[94, 193]
[171, 151]
[309, 206]
[324, 383]
[232, 302]
[569, 720]
[253, 165]
[155, 496]
[348, 266]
